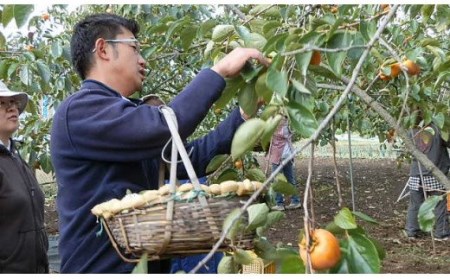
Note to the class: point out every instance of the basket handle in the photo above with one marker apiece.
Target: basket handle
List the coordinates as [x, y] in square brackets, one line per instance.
[178, 147]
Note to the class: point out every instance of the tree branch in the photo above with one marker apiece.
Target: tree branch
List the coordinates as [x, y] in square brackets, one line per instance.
[422, 158]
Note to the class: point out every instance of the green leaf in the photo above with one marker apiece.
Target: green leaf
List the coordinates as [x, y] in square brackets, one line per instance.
[277, 81]
[336, 59]
[25, 75]
[228, 174]
[248, 100]
[272, 218]
[362, 256]
[4, 69]
[264, 249]
[365, 217]
[284, 187]
[273, 43]
[243, 32]
[300, 87]
[302, 119]
[2, 40]
[44, 71]
[269, 111]
[249, 72]
[174, 26]
[57, 49]
[367, 29]
[257, 215]
[271, 126]
[261, 88]
[426, 213]
[142, 265]
[439, 120]
[228, 223]
[7, 14]
[232, 88]
[345, 219]
[380, 249]
[22, 13]
[357, 40]
[46, 163]
[255, 174]
[255, 40]
[269, 28]
[427, 11]
[302, 60]
[206, 26]
[188, 35]
[220, 32]
[242, 257]
[216, 162]
[289, 262]
[325, 72]
[226, 265]
[246, 136]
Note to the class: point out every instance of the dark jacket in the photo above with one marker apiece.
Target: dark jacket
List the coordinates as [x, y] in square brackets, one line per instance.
[23, 239]
[430, 142]
[102, 145]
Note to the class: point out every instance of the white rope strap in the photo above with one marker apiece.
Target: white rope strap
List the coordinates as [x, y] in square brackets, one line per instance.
[178, 147]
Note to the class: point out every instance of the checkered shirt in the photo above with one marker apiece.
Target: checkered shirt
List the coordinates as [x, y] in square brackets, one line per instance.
[431, 183]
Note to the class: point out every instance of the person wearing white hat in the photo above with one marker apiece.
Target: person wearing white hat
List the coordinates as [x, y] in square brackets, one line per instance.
[23, 239]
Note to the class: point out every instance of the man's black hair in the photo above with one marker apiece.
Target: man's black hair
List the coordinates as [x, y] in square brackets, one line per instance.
[87, 31]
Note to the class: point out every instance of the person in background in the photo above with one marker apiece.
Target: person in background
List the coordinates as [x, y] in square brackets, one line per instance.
[104, 144]
[280, 148]
[23, 238]
[422, 183]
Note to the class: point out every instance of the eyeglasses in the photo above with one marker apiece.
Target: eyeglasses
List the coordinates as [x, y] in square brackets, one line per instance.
[7, 104]
[136, 46]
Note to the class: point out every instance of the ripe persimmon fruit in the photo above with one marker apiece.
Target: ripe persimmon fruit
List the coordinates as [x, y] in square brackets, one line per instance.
[325, 252]
[315, 58]
[238, 164]
[45, 16]
[385, 7]
[412, 68]
[395, 70]
[384, 77]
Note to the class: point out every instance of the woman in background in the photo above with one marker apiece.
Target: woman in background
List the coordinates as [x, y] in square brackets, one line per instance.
[23, 239]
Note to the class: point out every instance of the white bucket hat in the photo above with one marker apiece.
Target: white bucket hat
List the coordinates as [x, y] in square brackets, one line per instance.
[23, 97]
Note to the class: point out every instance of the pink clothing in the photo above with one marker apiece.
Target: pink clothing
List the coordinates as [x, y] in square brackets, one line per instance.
[280, 138]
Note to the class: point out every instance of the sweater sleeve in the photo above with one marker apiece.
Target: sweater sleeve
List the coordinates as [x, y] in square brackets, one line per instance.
[98, 126]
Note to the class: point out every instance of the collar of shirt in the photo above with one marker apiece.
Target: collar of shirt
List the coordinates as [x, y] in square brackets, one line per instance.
[8, 146]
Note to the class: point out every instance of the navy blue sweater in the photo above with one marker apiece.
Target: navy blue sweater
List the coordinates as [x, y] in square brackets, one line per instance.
[103, 144]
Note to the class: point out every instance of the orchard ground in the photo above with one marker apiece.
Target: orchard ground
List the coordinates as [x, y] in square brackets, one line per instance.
[378, 182]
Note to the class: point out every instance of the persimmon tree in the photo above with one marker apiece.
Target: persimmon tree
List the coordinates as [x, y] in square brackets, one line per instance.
[332, 68]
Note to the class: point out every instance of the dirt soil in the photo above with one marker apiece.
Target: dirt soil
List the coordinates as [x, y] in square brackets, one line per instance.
[378, 184]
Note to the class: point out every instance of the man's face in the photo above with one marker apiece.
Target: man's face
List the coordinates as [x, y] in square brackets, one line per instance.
[9, 116]
[127, 62]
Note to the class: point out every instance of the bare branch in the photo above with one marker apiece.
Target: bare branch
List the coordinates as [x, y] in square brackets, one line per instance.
[235, 10]
[310, 47]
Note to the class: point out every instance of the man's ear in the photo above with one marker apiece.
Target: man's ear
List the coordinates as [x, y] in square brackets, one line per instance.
[101, 50]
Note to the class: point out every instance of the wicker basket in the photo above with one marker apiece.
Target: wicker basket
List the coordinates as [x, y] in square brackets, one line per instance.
[169, 228]
[193, 229]
[259, 266]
